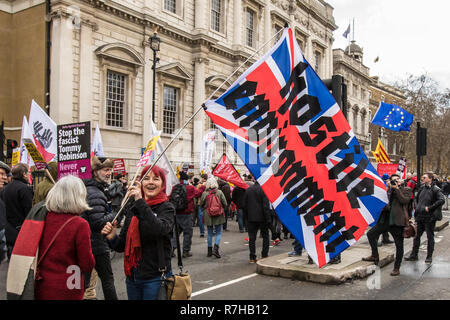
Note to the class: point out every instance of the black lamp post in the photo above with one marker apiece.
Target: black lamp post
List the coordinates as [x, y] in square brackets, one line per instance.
[155, 42]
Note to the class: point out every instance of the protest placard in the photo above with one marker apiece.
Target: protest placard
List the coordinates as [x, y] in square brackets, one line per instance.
[74, 145]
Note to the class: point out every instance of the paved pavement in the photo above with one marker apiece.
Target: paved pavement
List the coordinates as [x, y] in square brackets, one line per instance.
[351, 266]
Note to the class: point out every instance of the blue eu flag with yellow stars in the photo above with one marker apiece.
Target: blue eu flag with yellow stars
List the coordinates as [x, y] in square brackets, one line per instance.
[392, 117]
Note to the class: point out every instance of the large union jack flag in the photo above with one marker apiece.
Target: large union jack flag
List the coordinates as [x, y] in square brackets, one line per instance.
[291, 134]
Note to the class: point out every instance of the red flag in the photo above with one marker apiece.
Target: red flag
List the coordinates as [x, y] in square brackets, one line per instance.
[226, 171]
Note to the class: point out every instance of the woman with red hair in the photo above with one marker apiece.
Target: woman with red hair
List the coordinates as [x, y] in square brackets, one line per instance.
[148, 226]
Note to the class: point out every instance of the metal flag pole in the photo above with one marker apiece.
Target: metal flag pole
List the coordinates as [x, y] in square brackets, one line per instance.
[124, 203]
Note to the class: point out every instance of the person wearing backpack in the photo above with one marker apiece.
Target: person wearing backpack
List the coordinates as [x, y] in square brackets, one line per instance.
[182, 197]
[213, 203]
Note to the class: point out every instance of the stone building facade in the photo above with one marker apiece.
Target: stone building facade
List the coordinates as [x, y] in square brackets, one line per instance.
[101, 63]
[349, 64]
[23, 62]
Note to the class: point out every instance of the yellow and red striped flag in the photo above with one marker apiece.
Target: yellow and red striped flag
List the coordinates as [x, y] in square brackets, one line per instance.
[380, 154]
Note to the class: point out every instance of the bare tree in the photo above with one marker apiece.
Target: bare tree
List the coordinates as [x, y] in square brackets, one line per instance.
[430, 105]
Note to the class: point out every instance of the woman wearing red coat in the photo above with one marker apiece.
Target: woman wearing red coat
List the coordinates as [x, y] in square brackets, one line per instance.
[60, 275]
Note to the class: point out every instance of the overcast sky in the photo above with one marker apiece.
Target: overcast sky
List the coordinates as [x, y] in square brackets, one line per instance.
[409, 36]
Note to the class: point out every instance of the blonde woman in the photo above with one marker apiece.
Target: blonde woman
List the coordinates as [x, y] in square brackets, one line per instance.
[211, 200]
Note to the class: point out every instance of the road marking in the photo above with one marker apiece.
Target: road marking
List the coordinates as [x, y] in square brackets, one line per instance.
[223, 285]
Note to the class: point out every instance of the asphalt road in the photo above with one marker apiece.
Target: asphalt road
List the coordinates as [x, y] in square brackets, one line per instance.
[233, 278]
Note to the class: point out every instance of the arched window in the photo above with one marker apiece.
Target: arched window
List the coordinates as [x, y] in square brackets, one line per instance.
[355, 119]
[363, 121]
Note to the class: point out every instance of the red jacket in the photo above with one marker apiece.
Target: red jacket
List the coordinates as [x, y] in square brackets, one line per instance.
[192, 192]
[69, 257]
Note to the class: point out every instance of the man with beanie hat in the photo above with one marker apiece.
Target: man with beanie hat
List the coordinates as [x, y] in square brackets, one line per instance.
[184, 217]
[97, 198]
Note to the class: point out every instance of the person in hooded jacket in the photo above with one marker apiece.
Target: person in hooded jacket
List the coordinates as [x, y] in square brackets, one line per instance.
[149, 222]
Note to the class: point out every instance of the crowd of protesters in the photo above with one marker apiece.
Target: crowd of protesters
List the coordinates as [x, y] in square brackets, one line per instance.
[87, 212]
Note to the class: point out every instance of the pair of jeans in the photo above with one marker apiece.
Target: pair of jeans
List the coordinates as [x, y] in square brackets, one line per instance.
[428, 227]
[217, 229]
[104, 271]
[253, 228]
[298, 247]
[143, 289]
[184, 223]
[200, 220]
[397, 234]
[240, 216]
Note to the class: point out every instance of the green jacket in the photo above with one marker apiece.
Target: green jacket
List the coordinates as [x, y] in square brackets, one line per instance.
[42, 189]
[213, 221]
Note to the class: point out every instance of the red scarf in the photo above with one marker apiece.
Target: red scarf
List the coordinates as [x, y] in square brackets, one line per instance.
[133, 249]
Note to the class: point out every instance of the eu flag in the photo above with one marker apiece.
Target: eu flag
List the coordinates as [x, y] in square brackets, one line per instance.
[392, 117]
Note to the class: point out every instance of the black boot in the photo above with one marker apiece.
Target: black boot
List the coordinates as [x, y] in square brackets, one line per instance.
[216, 251]
[209, 252]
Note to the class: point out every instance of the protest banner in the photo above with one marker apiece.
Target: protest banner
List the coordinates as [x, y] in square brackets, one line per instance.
[390, 169]
[15, 157]
[207, 151]
[34, 153]
[119, 167]
[226, 171]
[74, 145]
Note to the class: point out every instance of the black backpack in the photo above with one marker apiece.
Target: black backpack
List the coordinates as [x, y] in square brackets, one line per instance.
[179, 197]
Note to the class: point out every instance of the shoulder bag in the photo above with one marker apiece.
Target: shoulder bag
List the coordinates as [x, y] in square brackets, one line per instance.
[410, 229]
[177, 286]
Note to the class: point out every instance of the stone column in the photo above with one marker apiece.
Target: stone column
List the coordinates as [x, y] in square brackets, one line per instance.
[200, 16]
[237, 21]
[61, 78]
[86, 71]
[199, 98]
[267, 23]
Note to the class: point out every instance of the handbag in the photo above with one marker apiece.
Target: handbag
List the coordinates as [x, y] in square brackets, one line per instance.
[177, 286]
[410, 230]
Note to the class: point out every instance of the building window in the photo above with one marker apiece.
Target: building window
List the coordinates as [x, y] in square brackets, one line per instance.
[363, 122]
[317, 61]
[212, 125]
[170, 5]
[115, 99]
[249, 27]
[170, 109]
[216, 6]
[276, 31]
[355, 120]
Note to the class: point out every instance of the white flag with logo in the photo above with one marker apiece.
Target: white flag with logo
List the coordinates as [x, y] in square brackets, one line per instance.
[97, 144]
[43, 130]
[26, 134]
[207, 150]
[164, 163]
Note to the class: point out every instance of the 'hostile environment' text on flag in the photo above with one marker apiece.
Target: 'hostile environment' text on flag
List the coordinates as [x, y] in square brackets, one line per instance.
[289, 131]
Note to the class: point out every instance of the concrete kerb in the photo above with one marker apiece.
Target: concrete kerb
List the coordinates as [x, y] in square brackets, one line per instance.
[351, 266]
[441, 225]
